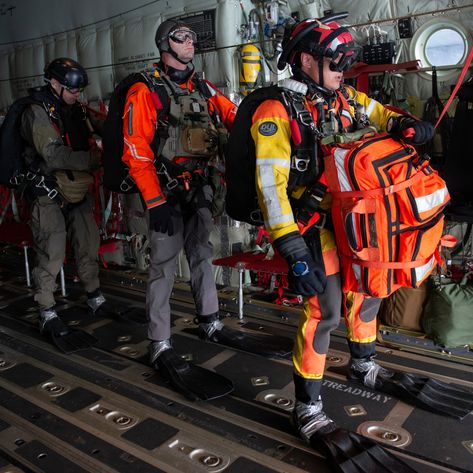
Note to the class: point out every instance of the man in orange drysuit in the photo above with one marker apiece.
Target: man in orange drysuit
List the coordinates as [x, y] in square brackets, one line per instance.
[173, 126]
[287, 188]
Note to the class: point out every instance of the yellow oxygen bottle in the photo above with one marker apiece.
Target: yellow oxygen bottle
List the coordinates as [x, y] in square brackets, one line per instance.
[250, 68]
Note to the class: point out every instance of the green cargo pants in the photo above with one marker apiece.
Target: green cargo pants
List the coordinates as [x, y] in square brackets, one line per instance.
[50, 226]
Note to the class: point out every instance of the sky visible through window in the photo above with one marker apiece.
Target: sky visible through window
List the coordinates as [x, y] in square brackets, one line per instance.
[444, 47]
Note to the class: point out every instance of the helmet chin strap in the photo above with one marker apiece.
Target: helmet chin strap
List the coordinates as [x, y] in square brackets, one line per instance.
[60, 96]
[313, 87]
[176, 57]
[320, 62]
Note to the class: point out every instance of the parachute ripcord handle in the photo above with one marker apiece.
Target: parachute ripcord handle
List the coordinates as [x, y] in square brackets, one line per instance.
[290, 45]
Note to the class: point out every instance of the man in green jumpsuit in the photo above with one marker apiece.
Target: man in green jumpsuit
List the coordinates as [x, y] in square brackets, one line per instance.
[61, 158]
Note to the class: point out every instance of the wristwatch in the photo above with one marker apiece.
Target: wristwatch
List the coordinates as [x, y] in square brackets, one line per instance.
[300, 268]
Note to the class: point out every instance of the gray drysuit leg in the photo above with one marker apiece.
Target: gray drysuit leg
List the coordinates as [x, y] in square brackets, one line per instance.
[162, 269]
[193, 236]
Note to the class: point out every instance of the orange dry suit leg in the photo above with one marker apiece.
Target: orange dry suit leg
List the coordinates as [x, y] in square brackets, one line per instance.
[360, 314]
[321, 315]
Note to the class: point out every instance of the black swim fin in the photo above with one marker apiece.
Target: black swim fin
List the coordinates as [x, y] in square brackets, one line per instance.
[352, 453]
[194, 382]
[421, 391]
[68, 340]
[134, 315]
[266, 345]
[73, 341]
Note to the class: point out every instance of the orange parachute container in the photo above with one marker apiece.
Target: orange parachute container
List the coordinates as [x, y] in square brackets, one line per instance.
[387, 213]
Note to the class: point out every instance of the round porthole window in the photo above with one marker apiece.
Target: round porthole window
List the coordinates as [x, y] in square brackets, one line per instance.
[440, 42]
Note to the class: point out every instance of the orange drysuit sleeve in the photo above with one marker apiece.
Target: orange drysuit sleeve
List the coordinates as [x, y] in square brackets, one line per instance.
[226, 109]
[139, 128]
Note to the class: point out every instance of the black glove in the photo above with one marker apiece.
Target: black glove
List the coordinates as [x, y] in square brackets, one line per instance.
[305, 276]
[160, 218]
[413, 131]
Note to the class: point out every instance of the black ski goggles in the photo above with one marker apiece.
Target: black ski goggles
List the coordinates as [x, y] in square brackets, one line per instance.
[344, 57]
[182, 35]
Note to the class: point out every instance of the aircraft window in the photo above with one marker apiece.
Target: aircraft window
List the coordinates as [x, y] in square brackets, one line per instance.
[445, 47]
[440, 42]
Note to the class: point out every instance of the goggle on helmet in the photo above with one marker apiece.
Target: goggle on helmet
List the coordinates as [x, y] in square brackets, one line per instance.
[181, 35]
[69, 73]
[321, 38]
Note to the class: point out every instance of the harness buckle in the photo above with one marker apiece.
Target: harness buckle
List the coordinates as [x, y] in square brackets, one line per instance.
[17, 180]
[124, 186]
[30, 175]
[303, 115]
[172, 184]
[127, 184]
[256, 216]
[40, 183]
[52, 194]
[321, 221]
[300, 164]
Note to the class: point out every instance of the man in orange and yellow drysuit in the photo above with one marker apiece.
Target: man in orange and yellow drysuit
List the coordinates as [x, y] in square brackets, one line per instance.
[173, 129]
[289, 183]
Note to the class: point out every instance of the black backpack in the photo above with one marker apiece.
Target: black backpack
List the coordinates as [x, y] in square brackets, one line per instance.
[116, 177]
[12, 145]
[241, 202]
[115, 172]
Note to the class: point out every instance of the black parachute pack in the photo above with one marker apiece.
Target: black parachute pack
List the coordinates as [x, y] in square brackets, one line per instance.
[241, 202]
[12, 145]
[116, 177]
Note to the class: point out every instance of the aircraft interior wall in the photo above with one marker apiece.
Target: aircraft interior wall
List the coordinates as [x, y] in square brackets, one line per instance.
[114, 39]
[111, 43]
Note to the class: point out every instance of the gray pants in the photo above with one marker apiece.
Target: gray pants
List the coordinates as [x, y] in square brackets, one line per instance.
[192, 235]
[50, 227]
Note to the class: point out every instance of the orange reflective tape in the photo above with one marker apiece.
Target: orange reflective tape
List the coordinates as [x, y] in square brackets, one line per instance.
[357, 330]
[307, 362]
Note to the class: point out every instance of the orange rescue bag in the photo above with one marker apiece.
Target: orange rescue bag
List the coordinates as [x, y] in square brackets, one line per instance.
[387, 213]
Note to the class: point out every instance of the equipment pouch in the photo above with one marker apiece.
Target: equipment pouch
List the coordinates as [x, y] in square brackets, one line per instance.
[199, 141]
[73, 190]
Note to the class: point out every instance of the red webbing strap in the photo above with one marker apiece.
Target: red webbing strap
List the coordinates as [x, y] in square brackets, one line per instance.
[156, 100]
[312, 221]
[261, 233]
[381, 191]
[448, 241]
[457, 86]
[388, 265]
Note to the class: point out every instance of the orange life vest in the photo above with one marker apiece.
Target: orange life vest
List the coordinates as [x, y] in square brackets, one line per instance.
[387, 213]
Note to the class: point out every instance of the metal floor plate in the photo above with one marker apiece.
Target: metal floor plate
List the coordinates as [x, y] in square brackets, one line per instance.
[104, 409]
